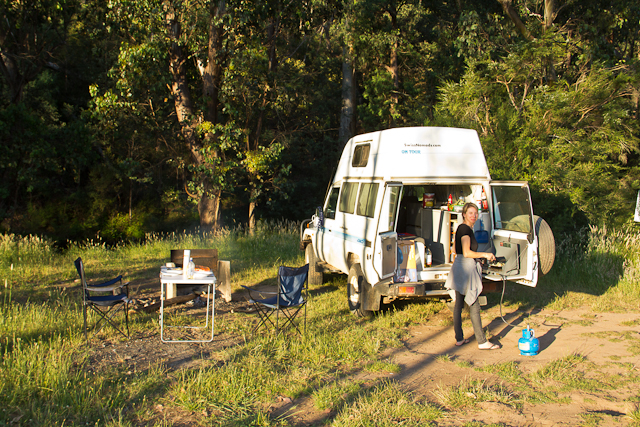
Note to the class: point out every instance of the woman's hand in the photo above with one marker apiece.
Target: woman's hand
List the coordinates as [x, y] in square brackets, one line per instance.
[489, 256]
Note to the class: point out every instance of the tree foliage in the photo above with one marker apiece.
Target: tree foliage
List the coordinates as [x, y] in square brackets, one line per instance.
[126, 116]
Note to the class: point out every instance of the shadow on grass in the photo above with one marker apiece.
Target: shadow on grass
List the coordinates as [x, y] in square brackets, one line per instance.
[592, 274]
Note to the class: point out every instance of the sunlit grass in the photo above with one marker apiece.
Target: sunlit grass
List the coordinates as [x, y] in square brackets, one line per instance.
[598, 268]
[45, 377]
[470, 392]
[386, 405]
[634, 415]
[335, 394]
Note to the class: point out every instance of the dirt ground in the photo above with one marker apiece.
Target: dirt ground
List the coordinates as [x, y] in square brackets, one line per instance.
[598, 337]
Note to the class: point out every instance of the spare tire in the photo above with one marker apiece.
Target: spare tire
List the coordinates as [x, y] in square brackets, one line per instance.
[546, 245]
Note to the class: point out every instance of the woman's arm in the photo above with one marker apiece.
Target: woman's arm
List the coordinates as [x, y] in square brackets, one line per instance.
[468, 253]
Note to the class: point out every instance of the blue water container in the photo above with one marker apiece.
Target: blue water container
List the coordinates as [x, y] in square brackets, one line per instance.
[528, 344]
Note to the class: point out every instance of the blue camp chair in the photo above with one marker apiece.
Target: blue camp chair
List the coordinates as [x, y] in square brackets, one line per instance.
[106, 299]
[290, 299]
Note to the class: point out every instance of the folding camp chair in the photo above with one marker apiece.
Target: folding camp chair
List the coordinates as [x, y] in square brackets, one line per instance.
[106, 299]
[289, 299]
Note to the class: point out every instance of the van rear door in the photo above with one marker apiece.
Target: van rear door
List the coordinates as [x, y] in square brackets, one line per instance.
[386, 247]
[514, 235]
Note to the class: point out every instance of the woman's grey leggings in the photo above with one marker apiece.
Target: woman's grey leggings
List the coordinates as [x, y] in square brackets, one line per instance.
[476, 321]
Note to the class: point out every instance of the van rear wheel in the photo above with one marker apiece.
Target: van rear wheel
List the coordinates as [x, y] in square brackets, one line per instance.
[315, 277]
[357, 290]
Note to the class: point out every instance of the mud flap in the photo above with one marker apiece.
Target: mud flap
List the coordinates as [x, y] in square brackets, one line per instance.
[373, 296]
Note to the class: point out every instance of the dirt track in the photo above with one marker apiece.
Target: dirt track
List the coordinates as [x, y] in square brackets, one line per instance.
[603, 339]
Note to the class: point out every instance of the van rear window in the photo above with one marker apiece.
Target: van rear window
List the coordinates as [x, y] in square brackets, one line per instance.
[360, 156]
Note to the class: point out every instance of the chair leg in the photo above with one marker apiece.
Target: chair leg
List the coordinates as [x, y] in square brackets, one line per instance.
[84, 312]
[290, 318]
[265, 316]
[126, 316]
[108, 317]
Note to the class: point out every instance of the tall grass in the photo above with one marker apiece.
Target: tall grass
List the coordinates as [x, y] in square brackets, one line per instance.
[46, 377]
[597, 267]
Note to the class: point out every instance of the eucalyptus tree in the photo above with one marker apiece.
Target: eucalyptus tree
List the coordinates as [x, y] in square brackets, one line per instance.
[403, 49]
[555, 102]
[186, 47]
[242, 81]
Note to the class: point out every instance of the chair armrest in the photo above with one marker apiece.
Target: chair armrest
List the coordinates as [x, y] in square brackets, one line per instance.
[250, 289]
[109, 286]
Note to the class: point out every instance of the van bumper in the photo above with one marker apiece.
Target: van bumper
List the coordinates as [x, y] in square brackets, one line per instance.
[428, 289]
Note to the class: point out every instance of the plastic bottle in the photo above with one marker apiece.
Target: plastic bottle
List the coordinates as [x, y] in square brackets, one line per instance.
[461, 198]
[485, 205]
[450, 201]
[192, 269]
[428, 257]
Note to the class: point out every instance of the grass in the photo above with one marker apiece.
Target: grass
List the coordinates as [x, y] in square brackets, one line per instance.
[386, 404]
[470, 392]
[47, 377]
[634, 415]
[597, 268]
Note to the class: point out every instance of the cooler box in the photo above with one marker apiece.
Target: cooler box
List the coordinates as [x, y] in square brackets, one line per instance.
[406, 271]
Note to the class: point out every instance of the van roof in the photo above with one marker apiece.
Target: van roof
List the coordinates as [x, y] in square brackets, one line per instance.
[418, 154]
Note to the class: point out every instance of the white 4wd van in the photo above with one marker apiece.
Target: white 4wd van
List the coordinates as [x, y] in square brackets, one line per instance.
[388, 223]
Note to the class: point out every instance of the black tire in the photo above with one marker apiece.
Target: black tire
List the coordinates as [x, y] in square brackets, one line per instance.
[546, 245]
[315, 277]
[357, 291]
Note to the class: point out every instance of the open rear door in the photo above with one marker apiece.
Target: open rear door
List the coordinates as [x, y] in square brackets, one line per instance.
[514, 233]
[386, 246]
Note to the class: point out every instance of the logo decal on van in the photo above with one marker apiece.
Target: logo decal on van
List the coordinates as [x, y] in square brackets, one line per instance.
[423, 145]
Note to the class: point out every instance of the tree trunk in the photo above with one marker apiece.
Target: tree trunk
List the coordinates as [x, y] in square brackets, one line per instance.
[393, 66]
[549, 13]
[15, 81]
[549, 16]
[348, 111]
[209, 202]
[272, 35]
[212, 75]
[515, 18]
[209, 206]
[396, 85]
[252, 216]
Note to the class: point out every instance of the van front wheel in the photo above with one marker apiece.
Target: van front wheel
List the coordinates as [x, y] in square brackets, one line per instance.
[357, 290]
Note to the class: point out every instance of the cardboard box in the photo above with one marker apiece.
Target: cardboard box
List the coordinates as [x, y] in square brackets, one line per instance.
[406, 271]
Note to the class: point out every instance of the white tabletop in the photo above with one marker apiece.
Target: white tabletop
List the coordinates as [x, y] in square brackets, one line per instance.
[174, 275]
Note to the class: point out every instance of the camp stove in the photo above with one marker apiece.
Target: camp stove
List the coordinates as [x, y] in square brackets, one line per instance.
[507, 262]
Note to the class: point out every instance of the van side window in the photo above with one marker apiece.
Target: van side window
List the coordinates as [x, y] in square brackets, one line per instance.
[367, 200]
[348, 197]
[360, 156]
[332, 203]
[511, 208]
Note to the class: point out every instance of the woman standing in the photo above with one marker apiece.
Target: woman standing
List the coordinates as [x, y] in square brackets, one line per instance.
[465, 279]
